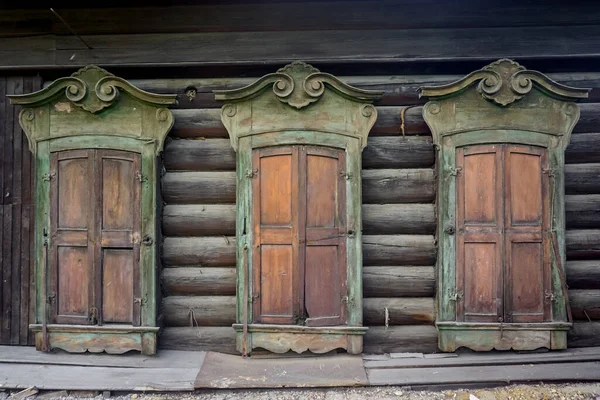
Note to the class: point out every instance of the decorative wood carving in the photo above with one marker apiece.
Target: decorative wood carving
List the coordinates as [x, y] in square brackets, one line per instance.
[500, 132]
[298, 133]
[95, 137]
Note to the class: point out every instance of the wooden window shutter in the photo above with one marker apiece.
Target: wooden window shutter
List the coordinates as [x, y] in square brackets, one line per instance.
[501, 133]
[118, 223]
[72, 236]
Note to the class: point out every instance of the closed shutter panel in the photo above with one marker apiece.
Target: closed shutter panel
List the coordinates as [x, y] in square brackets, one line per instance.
[118, 212]
[71, 255]
[325, 260]
[526, 239]
[479, 234]
[275, 219]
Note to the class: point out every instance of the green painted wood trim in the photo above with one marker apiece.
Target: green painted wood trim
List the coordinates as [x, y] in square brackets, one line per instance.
[508, 105]
[304, 107]
[42, 227]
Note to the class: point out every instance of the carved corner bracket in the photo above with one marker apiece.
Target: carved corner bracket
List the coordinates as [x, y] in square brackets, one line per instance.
[504, 82]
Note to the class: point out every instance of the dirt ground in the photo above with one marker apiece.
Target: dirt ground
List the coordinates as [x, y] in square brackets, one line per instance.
[512, 392]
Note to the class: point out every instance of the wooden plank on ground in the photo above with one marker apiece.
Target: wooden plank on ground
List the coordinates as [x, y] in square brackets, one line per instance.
[490, 358]
[163, 359]
[68, 377]
[494, 374]
[228, 371]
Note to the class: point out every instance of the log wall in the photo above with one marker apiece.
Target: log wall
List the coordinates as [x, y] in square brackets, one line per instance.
[198, 222]
[16, 217]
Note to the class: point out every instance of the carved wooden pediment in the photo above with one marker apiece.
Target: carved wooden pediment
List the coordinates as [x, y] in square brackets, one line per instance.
[301, 98]
[93, 101]
[502, 95]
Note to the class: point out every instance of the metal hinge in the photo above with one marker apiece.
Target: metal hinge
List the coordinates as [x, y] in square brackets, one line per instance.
[346, 175]
[550, 171]
[254, 298]
[49, 176]
[454, 171]
[93, 317]
[138, 300]
[251, 173]
[549, 296]
[140, 177]
[455, 296]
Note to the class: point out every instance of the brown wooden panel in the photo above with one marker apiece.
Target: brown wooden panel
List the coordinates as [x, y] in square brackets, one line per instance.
[276, 284]
[276, 190]
[526, 189]
[321, 191]
[527, 258]
[117, 193]
[527, 274]
[479, 231]
[71, 255]
[480, 287]
[275, 256]
[117, 285]
[322, 294]
[74, 275]
[479, 187]
[73, 199]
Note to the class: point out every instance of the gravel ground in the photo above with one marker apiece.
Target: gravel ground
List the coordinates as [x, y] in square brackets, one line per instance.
[513, 392]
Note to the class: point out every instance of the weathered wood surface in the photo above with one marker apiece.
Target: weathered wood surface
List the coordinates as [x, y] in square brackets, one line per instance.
[396, 281]
[582, 178]
[398, 90]
[199, 281]
[16, 218]
[583, 274]
[220, 311]
[270, 47]
[183, 17]
[400, 339]
[584, 334]
[218, 155]
[219, 219]
[211, 251]
[204, 338]
[58, 377]
[206, 123]
[496, 374]
[585, 304]
[583, 244]
[582, 211]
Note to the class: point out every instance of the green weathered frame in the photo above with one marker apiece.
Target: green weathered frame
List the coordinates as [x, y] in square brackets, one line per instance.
[93, 109]
[309, 107]
[509, 104]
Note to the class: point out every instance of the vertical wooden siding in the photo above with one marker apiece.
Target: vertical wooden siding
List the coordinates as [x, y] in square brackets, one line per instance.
[16, 217]
[198, 189]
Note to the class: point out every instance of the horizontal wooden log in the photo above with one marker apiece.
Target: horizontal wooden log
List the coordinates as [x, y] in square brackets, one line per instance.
[198, 338]
[398, 90]
[398, 250]
[206, 123]
[398, 311]
[212, 251]
[218, 155]
[583, 244]
[585, 304]
[199, 220]
[387, 186]
[316, 46]
[386, 219]
[219, 251]
[185, 16]
[220, 311]
[219, 219]
[199, 188]
[400, 339]
[379, 187]
[190, 281]
[582, 178]
[199, 310]
[582, 211]
[398, 281]
[583, 274]
[584, 334]
[583, 148]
